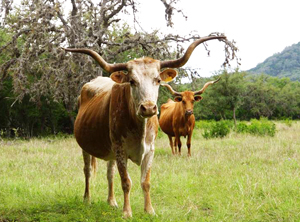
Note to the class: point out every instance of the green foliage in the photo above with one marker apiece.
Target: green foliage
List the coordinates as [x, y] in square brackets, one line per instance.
[203, 124]
[287, 121]
[218, 129]
[241, 127]
[262, 127]
[284, 64]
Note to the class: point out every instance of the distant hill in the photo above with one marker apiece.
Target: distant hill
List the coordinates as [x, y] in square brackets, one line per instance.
[284, 64]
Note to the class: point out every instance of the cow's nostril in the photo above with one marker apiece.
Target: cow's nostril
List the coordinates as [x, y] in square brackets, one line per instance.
[189, 112]
[143, 108]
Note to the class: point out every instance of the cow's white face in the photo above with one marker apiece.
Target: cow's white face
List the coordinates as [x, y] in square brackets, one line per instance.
[144, 78]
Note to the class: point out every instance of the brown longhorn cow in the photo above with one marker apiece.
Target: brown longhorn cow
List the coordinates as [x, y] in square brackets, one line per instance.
[117, 118]
[177, 118]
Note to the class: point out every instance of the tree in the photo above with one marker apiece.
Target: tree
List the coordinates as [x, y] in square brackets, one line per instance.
[36, 30]
[260, 99]
[226, 96]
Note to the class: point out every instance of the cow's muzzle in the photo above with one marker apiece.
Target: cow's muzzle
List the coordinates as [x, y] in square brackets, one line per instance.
[189, 112]
[147, 109]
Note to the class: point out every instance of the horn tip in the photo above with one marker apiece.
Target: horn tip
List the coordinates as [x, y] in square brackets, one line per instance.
[217, 80]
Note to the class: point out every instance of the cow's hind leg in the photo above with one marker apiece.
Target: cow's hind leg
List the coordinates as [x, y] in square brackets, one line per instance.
[175, 144]
[171, 144]
[110, 177]
[145, 181]
[94, 165]
[178, 143]
[125, 180]
[87, 172]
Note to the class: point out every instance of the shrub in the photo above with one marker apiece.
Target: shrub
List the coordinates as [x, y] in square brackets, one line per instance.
[262, 127]
[241, 127]
[216, 130]
[288, 122]
[229, 123]
[204, 124]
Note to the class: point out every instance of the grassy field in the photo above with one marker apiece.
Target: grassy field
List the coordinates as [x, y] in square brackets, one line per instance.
[238, 178]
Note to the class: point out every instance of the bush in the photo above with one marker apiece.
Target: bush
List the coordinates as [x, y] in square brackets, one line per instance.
[288, 122]
[241, 127]
[229, 123]
[217, 130]
[212, 129]
[262, 127]
[204, 124]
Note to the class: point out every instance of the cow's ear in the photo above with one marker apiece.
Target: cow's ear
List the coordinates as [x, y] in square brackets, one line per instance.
[119, 77]
[178, 99]
[168, 75]
[197, 98]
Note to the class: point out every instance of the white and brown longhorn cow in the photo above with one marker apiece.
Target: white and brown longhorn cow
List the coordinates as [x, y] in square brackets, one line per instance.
[117, 118]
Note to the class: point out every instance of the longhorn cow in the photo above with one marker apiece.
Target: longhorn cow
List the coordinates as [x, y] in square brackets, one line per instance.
[117, 118]
[177, 118]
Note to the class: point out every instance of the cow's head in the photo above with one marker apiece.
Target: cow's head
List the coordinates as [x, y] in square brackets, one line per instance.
[187, 98]
[144, 75]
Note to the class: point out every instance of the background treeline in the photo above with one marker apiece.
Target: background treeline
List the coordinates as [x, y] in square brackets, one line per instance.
[237, 95]
[243, 96]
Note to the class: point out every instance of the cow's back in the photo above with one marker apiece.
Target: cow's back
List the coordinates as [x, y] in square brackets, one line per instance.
[166, 117]
[92, 122]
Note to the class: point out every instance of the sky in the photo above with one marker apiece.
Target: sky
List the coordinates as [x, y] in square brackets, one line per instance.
[260, 28]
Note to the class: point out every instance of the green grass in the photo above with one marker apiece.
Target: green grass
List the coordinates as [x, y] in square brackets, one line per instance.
[238, 178]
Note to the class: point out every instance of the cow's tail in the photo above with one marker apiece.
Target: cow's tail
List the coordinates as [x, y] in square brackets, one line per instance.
[94, 166]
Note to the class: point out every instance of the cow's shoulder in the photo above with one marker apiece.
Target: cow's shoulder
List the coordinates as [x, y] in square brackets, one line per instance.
[97, 86]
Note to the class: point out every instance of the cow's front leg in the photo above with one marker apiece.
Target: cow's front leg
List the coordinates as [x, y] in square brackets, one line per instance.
[125, 180]
[145, 181]
[188, 143]
[110, 178]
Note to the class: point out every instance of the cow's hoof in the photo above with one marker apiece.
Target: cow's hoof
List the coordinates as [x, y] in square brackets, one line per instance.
[87, 200]
[127, 214]
[112, 202]
[150, 211]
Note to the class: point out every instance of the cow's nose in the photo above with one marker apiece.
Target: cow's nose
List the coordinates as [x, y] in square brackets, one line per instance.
[147, 109]
[189, 112]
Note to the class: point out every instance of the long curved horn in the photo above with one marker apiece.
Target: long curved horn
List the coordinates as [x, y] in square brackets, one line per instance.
[205, 86]
[172, 91]
[106, 66]
[181, 61]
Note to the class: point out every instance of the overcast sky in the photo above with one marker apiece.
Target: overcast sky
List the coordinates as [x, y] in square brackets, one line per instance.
[260, 28]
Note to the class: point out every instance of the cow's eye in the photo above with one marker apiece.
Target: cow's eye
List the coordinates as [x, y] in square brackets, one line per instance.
[157, 80]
